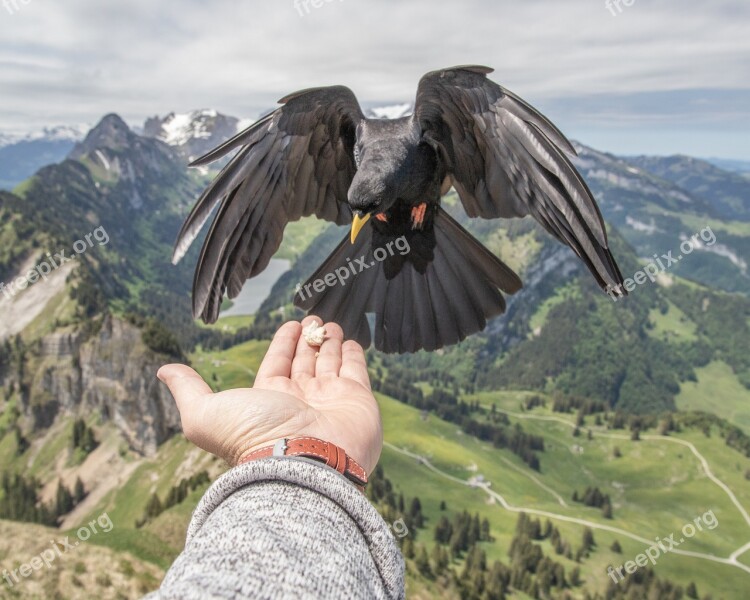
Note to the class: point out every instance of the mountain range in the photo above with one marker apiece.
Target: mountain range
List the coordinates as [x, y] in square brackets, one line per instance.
[536, 399]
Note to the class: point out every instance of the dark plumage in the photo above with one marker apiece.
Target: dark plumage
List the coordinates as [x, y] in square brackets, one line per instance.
[318, 155]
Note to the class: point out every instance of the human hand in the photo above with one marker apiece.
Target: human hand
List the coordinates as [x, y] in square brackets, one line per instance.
[295, 394]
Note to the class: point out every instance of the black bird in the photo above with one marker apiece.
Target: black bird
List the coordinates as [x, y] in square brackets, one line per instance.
[318, 155]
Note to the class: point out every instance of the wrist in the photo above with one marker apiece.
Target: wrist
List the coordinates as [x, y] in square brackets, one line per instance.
[313, 448]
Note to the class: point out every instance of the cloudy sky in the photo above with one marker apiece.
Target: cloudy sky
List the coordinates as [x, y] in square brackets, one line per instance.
[657, 77]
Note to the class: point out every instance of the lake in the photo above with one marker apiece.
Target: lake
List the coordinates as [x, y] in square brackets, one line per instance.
[257, 289]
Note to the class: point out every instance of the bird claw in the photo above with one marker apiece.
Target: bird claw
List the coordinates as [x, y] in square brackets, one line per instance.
[417, 215]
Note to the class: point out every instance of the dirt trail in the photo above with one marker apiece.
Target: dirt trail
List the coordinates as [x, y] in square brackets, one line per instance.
[485, 486]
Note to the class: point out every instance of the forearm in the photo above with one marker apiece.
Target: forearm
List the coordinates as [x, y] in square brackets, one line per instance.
[279, 528]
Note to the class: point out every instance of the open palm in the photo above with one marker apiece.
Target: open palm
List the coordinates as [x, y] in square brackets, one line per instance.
[296, 393]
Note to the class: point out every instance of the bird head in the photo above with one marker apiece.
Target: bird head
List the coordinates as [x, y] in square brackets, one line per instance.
[375, 186]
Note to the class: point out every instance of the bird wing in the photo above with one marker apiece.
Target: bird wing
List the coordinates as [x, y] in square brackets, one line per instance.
[506, 159]
[294, 162]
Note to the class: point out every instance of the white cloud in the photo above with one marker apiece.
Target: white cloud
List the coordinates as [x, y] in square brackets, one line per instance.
[75, 61]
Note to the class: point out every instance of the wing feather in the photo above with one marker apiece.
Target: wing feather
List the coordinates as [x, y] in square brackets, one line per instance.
[294, 162]
[506, 159]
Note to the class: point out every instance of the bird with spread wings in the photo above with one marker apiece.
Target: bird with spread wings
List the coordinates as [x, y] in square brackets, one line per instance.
[317, 154]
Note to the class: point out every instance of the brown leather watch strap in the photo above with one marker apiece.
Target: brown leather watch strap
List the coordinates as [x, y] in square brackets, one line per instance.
[310, 447]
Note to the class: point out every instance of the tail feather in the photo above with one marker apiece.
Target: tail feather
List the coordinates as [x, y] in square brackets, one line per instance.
[454, 296]
[345, 304]
[424, 322]
[485, 299]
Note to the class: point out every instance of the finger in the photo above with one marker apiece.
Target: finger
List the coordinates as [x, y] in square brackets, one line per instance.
[329, 361]
[186, 386]
[353, 363]
[303, 364]
[278, 360]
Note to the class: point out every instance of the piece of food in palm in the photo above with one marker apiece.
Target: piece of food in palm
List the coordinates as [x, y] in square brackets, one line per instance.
[314, 334]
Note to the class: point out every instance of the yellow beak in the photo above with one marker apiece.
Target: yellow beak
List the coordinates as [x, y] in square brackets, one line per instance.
[357, 224]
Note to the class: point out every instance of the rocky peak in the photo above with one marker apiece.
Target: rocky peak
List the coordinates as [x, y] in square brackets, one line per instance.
[111, 132]
[119, 156]
[195, 133]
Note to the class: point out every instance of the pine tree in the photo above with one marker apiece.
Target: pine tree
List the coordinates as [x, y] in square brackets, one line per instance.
[588, 539]
[63, 500]
[547, 531]
[408, 548]
[443, 531]
[691, 591]
[88, 441]
[485, 535]
[439, 559]
[415, 512]
[154, 506]
[79, 492]
[475, 530]
[559, 546]
[78, 428]
[422, 562]
[455, 546]
[615, 547]
[496, 583]
[22, 444]
[173, 497]
[521, 523]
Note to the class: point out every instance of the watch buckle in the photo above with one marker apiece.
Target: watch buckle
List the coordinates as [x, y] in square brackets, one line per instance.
[280, 447]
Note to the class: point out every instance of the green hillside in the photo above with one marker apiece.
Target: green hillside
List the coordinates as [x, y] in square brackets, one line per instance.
[617, 421]
[718, 391]
[657, 484]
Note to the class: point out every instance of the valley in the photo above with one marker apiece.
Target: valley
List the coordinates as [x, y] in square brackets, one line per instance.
[618, 423]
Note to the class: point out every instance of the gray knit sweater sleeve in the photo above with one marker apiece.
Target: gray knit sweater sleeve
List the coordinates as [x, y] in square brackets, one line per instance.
[285, 528]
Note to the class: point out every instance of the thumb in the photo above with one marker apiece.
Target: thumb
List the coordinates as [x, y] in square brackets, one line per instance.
[186, 386]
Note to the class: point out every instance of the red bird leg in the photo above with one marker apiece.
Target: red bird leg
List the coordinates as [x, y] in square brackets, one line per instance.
[381, 217]
[417, 215]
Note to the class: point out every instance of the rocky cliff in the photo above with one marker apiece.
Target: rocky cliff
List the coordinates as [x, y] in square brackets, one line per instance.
[112, 374]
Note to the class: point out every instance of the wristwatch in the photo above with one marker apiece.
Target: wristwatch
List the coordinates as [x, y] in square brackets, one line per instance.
[322, 451]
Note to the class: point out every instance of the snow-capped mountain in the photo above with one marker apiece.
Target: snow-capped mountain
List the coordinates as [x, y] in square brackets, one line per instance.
[195, 133]
[23, 155]
[5, 139]
[58, 133]
[391, 111]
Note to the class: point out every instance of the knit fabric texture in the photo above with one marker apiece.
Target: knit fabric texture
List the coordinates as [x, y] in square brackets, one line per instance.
[285, 528]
